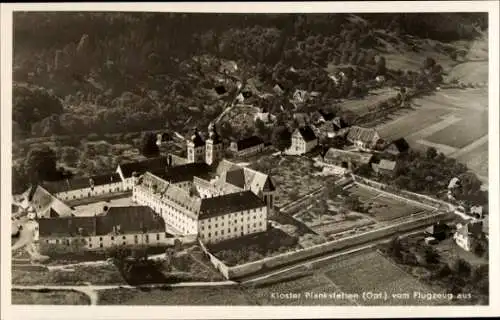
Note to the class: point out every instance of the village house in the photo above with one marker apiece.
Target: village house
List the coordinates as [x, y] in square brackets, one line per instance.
[336, 127]
[468, 234]
[363, 138]
[116, 226]
[247, 147]
[300, 96]
[385, 167]
[80, 188]
[303, 140]
[438, 231]
[46, 205]
[398, 147]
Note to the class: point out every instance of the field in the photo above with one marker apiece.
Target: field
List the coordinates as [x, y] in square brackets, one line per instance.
[463, 132]
[360, 106]
[288, 173]
[454, 121]
[175, 296]
[371, 272]
[49, 298]
[382, 207]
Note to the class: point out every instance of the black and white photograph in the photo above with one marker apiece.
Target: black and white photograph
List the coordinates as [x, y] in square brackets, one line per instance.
[186, 158]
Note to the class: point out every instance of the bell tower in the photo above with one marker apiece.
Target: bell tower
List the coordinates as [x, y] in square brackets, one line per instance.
[213, 151]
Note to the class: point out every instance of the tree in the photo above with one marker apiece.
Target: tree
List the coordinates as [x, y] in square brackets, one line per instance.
[149, 148]
[381, 67]
[431, 153]
[40, 165]
[461, 268]
[281, 138]
[395, 248]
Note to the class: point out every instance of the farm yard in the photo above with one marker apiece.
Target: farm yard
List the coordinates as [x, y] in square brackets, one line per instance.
[288, 173]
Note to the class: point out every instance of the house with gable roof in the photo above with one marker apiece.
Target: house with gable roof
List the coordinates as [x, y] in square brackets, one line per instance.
[363, 138]
[304, 139]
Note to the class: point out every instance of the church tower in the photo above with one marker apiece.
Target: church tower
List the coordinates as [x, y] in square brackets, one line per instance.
[214, 148]
[196, 148]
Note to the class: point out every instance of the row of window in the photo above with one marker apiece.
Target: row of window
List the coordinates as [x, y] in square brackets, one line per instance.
[233, 215]
[235, 229]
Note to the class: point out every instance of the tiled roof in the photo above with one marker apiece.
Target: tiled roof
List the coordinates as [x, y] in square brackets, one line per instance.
[307, 133]
[140, 167]
[43, 202]
[387, 164]
[184, 172]
[197, 139]
[249, 142]
[134, 219]
[80, 183]
[233, 202]
[254, 180]
[236, 177]
[363, 134]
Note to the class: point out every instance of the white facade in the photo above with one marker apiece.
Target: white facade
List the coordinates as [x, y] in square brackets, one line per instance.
[248, 151]
[463, 241]
[182, 219]
[233, 225]
[90, 191]
[195, 154]
[299, 145]
[214, 152]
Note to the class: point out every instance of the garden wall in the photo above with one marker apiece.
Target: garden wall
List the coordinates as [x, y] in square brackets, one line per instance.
[219, 265]
[317, 250]
[443, 205]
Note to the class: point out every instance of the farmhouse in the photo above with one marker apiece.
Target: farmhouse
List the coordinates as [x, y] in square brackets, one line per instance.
[115, 226]
[385, 167]
[248, 146]
[467, 235]
[303, 140]
[79, 188]
[397, 147]
[363, 138]
[337, 126]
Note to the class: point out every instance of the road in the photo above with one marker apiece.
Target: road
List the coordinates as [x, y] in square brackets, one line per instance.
[92, 291]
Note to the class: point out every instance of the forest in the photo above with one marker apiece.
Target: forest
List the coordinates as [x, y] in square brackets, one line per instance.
[84, 76]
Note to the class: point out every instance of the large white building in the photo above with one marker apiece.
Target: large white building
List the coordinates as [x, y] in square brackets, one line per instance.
[190, 199]
[303, 140]
[232, 203]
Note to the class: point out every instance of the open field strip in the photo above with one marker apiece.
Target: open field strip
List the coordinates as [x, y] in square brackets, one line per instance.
[445, 122]
[446, 150]
[469, 148]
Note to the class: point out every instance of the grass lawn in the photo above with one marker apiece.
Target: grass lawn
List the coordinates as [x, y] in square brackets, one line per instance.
[79, 275]
[371, 272]
[49, 298]
[462, 133]
[175, 296]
